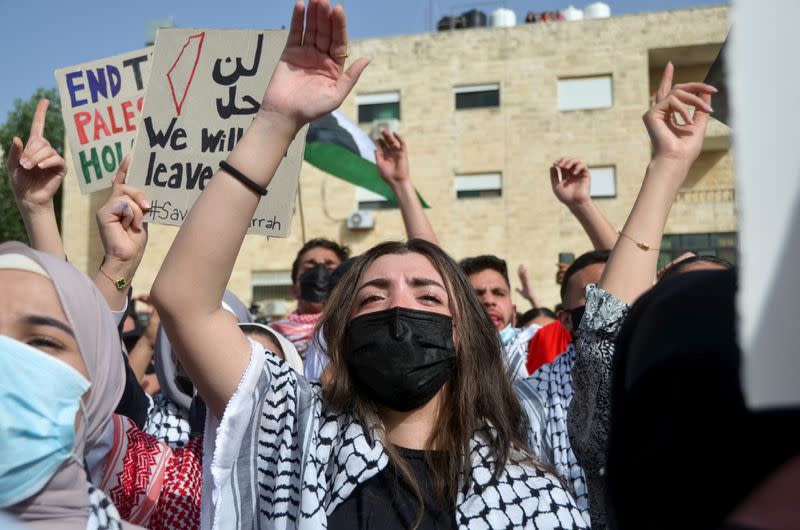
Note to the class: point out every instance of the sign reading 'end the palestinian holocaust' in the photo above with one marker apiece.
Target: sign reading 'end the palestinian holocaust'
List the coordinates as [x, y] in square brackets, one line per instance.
[101, 102]
[205, 89]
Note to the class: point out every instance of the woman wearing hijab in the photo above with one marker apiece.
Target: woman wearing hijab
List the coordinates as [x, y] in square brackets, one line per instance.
[419, 426]
[58, 339]
[59, 387]
[678, 402]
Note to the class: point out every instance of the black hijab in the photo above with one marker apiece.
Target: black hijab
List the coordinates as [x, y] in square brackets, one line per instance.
[684, 449]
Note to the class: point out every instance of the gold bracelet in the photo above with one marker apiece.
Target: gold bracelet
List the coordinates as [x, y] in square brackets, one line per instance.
[642, 246]
[120, 284]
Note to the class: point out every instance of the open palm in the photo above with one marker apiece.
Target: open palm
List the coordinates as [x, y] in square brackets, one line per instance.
[310, 79]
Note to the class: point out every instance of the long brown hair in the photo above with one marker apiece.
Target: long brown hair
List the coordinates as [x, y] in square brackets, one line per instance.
[478, 397]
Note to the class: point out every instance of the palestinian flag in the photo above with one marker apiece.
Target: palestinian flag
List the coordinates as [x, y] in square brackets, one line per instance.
[337, 146]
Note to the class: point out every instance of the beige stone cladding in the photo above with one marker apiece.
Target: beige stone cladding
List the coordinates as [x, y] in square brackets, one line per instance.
[517, 139]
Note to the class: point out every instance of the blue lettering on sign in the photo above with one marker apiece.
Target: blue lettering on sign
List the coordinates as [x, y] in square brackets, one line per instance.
[74, 87]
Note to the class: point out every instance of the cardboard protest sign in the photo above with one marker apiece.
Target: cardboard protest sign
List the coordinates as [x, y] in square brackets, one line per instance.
[101, 102]
[205, 89]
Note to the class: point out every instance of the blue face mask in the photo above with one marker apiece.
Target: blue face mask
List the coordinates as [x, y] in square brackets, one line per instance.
[39, 398]
[507, 334]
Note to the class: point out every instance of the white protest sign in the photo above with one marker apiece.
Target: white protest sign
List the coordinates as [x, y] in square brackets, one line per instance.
[764, 85]
[100, 103]
[205, 89]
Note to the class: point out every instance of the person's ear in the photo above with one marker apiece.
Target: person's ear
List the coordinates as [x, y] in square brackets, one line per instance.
[295, 291]
[513, 315]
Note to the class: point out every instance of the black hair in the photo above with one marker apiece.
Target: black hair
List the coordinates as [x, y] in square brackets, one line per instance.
[525, 318]
[477, 264]
[341, 251]
[681, 266]
[583, 261]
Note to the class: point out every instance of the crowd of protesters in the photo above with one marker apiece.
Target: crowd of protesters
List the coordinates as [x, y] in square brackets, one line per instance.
[406, 390]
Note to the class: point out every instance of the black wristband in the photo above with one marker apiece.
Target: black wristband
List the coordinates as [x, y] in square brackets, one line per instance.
[241, 177]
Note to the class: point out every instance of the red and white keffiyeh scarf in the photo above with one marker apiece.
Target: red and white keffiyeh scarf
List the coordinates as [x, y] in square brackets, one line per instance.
[298, 328]
[150, 484]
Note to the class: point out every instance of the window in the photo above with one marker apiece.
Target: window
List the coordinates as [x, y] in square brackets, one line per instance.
[585, 93]
[477, 96]
[604, 181]
[720, 244]
[378, 106]
[475, 186]
[369, 200]
[271, 285]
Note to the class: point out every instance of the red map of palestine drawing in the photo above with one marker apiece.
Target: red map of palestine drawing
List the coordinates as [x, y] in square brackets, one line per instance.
[181, 74]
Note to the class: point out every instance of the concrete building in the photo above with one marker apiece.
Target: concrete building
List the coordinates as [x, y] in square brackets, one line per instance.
[485, 111]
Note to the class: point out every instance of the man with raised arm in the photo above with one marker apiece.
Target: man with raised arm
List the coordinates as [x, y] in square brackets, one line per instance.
[488, 274]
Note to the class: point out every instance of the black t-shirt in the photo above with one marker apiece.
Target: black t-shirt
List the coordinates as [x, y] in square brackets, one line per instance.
[386, 502]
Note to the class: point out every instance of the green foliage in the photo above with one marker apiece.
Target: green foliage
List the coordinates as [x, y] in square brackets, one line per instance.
[18, 123]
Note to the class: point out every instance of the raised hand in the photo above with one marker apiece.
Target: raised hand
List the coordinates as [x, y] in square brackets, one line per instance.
[573, 187]
[310, 79]
[36, 171]
[677, 138]
[121, 223]
[525, 291]
[674, 139]
[391, 157]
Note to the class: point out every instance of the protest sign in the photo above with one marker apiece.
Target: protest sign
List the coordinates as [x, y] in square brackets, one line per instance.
[100, 103]
[205, 89]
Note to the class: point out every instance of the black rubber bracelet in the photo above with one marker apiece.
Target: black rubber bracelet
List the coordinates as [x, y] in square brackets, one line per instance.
[241, 177]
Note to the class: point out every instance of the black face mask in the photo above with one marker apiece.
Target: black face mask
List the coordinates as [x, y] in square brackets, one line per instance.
[577, 316]
[315, 284]
[400, 357]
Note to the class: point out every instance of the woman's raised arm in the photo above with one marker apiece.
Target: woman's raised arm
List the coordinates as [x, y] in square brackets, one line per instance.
[309, 81]
[631, 268]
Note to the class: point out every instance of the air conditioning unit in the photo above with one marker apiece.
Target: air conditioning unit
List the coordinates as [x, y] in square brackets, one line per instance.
[361, 220]
[391, 125]
[276, 308]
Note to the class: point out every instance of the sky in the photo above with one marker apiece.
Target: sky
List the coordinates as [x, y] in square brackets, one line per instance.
[56, 33]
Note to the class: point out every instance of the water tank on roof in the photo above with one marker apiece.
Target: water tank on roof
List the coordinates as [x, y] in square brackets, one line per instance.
[597, 10]
[503, 18]
[447, 23]
[572, 13]
[474, 19]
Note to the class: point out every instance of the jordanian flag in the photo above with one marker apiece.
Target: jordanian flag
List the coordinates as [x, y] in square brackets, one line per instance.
[337, 146]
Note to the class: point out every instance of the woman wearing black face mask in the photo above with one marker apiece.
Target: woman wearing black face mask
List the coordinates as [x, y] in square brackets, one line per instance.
[420, 425]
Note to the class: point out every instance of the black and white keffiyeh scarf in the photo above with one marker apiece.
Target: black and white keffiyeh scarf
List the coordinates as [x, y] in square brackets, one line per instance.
[282, 459]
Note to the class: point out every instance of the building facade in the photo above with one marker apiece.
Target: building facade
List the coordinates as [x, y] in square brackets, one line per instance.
[485, 111]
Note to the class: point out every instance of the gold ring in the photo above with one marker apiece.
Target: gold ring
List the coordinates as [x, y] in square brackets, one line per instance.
[344, 55]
